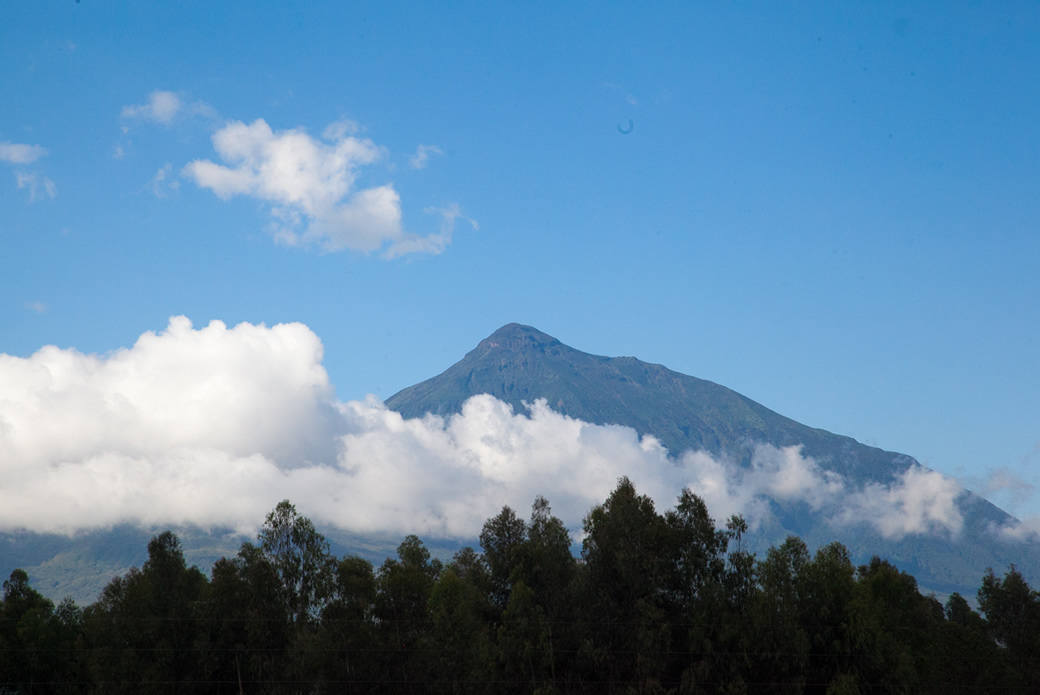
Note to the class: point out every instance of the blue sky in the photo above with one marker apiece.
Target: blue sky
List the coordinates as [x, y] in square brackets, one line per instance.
[833, 210]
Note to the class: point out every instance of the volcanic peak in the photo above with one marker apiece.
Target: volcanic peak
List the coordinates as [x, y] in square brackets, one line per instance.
[516, 336]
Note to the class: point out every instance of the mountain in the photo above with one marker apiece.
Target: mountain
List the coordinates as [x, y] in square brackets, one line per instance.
[518, 364]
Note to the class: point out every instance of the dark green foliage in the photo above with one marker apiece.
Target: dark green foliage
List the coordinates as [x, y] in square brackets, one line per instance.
[247, 621]
[780, 647]
[144, 634]
[37, 642]
[530, 577]
[828, 582]
[347, 632]
[624, 560]
[695, 552]
[623, 547]
[966, 657]
[459, 628]
[501, 540]
[524, 643]
[402, 610]
[656, 604]
[894, 629]
[1012, 612]
[550, 571]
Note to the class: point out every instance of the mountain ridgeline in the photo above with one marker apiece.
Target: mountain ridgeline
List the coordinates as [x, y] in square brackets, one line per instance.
[519, 364]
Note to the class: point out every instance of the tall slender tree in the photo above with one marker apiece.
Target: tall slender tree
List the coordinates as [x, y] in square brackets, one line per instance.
[301, 558]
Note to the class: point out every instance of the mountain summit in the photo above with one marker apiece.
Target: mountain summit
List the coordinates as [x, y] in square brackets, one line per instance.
[518, 364]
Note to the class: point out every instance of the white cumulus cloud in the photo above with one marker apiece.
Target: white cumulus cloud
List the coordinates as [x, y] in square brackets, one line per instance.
[309, 183]
[214, 425]
[311, 187]
[244, 390]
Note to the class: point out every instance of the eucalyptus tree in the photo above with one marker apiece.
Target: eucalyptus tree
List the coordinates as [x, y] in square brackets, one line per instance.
[624, 556]
[145, 632]
[897, 631]
[461, 651]
[780, 644]
[302, 560]
[37, 641]
[249, 624]
[402, 611]
[347, 637]
[502, 539]
[1012, 612]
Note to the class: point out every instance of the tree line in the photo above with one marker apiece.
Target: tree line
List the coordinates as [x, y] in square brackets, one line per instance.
[656, 603]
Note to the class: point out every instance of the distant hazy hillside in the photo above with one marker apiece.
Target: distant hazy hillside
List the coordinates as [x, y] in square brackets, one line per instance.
[80, 566]
[519, 363]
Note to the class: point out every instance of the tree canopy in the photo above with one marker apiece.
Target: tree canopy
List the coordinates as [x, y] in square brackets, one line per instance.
[654, 603]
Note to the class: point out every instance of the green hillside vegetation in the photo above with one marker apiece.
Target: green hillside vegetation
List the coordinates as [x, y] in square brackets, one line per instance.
[519, 364]
[656, 603]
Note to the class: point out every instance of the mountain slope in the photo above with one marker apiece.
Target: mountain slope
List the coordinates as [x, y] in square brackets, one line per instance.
[518, 364]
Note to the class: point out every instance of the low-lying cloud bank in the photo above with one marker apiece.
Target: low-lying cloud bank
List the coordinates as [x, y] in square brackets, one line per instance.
[1011, 490]
[1026, 530]
[213, 426]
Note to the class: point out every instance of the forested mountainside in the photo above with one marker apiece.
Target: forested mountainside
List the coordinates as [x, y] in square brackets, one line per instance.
[656, 603]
